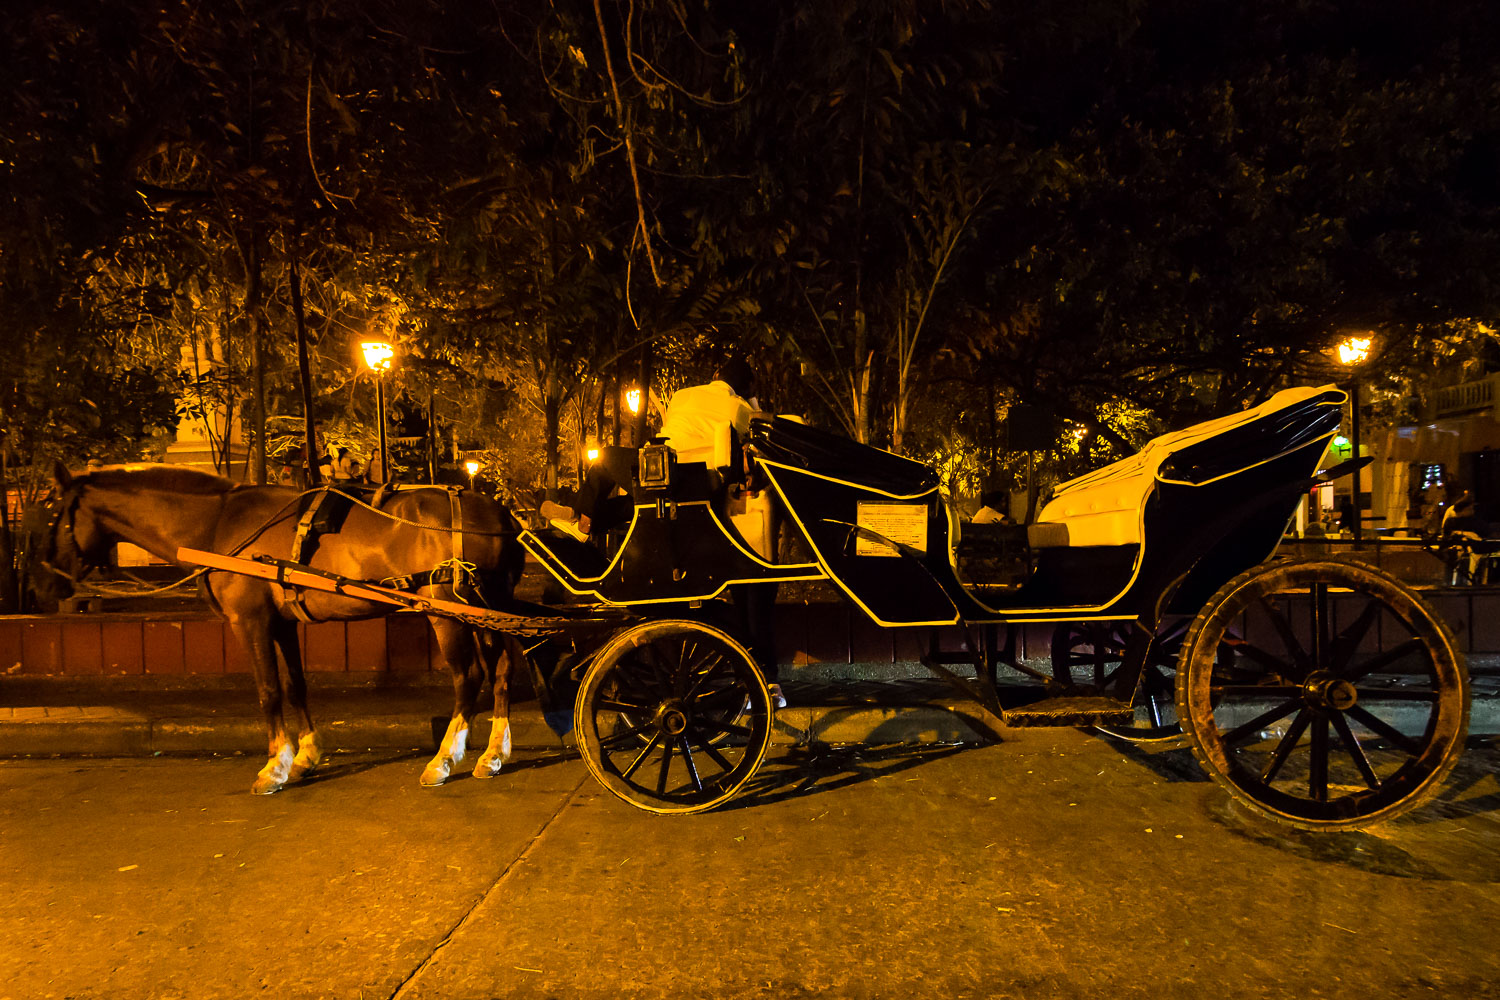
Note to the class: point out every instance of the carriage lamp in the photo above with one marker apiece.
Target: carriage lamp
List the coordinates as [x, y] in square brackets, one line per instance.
[1352, 352]
[593, 455]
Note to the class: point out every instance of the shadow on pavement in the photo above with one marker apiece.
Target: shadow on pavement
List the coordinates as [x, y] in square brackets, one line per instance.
[821, 767]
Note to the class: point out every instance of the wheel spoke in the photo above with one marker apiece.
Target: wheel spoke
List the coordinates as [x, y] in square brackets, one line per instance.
[615, 739]
[623, 707]
[1349, 639]
[1356, 751]
[1373, 664]
[666, 765]
[1285, 747]
[655, 739]
[722, 726]
[1317, 765]
[687, 756]
[1318, 626]
[1384, 729]
[1397, 694]
[1288, 639]
[1272, 663]
[1248, 729]
[1254, 690]
[713, 753]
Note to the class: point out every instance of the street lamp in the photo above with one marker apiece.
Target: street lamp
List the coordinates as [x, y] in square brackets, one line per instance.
[378, 357]
[472, 467]
[1352, 352]
[633, 400]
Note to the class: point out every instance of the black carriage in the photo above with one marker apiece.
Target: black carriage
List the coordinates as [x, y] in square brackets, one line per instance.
[1322, 693]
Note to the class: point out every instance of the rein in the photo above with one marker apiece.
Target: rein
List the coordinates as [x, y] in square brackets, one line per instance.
[66, 509]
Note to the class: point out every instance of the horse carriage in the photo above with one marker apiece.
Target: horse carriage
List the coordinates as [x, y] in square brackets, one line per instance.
[1321, 693]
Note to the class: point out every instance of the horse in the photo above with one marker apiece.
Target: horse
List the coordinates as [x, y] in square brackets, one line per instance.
[162, 508]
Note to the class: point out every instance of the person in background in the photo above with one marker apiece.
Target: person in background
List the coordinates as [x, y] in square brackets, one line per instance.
[375, 471]
[345, 468]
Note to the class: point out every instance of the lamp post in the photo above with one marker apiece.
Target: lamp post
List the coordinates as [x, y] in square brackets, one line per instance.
[378, 357]
[472, 467]
[1352, 352]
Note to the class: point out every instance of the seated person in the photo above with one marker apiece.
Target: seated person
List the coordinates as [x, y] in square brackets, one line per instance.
[696, 416]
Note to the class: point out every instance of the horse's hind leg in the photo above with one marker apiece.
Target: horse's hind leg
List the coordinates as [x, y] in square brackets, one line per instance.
[457, 649]
[309, 754]
[498, 751]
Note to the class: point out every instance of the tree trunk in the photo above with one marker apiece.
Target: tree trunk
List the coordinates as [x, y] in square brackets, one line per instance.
[304, 373]
[257, 360]
[431, 436]
[10, 584]
[647, 363]
[551, 413]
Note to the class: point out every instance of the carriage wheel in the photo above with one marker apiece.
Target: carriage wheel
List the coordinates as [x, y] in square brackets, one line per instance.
[673, 716]
[1346, 703]
[1092, 652]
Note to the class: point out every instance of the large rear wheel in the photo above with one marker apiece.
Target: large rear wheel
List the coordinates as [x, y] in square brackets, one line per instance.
[1345, 704]
[673, 716]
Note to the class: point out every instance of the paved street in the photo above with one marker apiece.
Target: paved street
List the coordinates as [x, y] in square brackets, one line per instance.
[1055, 864]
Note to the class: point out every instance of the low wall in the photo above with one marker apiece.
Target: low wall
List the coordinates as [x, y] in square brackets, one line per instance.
[85, 645]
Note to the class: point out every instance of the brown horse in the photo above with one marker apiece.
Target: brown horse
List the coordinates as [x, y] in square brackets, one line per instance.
[162, 508]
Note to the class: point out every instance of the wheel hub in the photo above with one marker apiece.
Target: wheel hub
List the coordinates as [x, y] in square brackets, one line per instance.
[671, 719]
[1326, 691]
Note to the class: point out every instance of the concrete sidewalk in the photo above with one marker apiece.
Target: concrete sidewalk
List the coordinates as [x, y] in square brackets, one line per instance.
[127, 717]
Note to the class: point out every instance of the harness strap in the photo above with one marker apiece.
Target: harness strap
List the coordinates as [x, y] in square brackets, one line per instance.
[456, 522]
[292, 595]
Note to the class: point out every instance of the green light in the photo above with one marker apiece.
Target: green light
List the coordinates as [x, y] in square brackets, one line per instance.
[1341, 442]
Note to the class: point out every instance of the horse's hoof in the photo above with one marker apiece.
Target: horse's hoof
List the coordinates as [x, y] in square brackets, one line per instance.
[300, 770]
[488, 766]
[434, 775]
[264, 786]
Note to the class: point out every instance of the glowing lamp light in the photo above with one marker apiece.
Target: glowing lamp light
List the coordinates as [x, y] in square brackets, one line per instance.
[1354, 350]
[1341, 442]
[593, 454]
[472, 467]
[378, 355]
[633, 400]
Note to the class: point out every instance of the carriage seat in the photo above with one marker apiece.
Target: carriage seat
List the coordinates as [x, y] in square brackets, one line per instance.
[1105, 507]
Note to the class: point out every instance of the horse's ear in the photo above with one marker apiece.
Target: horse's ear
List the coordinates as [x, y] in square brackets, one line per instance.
[61, 475]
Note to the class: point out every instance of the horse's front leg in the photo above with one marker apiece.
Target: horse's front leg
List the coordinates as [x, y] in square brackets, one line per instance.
[454, 643]
[309, 754]
[254, 634]
[498, 752]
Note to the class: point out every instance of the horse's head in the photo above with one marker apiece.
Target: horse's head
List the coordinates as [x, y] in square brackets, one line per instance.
[66, 539]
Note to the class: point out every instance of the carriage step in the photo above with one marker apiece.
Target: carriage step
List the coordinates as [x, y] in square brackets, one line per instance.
[1070, 711]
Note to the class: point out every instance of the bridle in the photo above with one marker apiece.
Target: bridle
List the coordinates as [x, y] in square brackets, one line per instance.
[61, 511]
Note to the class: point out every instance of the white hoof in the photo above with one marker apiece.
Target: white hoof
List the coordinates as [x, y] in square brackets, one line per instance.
[273, 776]
[436, 773]
[309, 756]
[489, 764]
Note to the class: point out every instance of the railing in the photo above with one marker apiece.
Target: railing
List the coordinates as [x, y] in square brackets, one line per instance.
[1466, 397]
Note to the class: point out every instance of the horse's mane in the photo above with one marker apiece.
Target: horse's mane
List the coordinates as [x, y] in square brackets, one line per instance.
[167, 478]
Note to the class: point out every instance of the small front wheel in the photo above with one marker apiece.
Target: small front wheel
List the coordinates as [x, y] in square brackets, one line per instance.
[673, 716]
[1345, 704]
